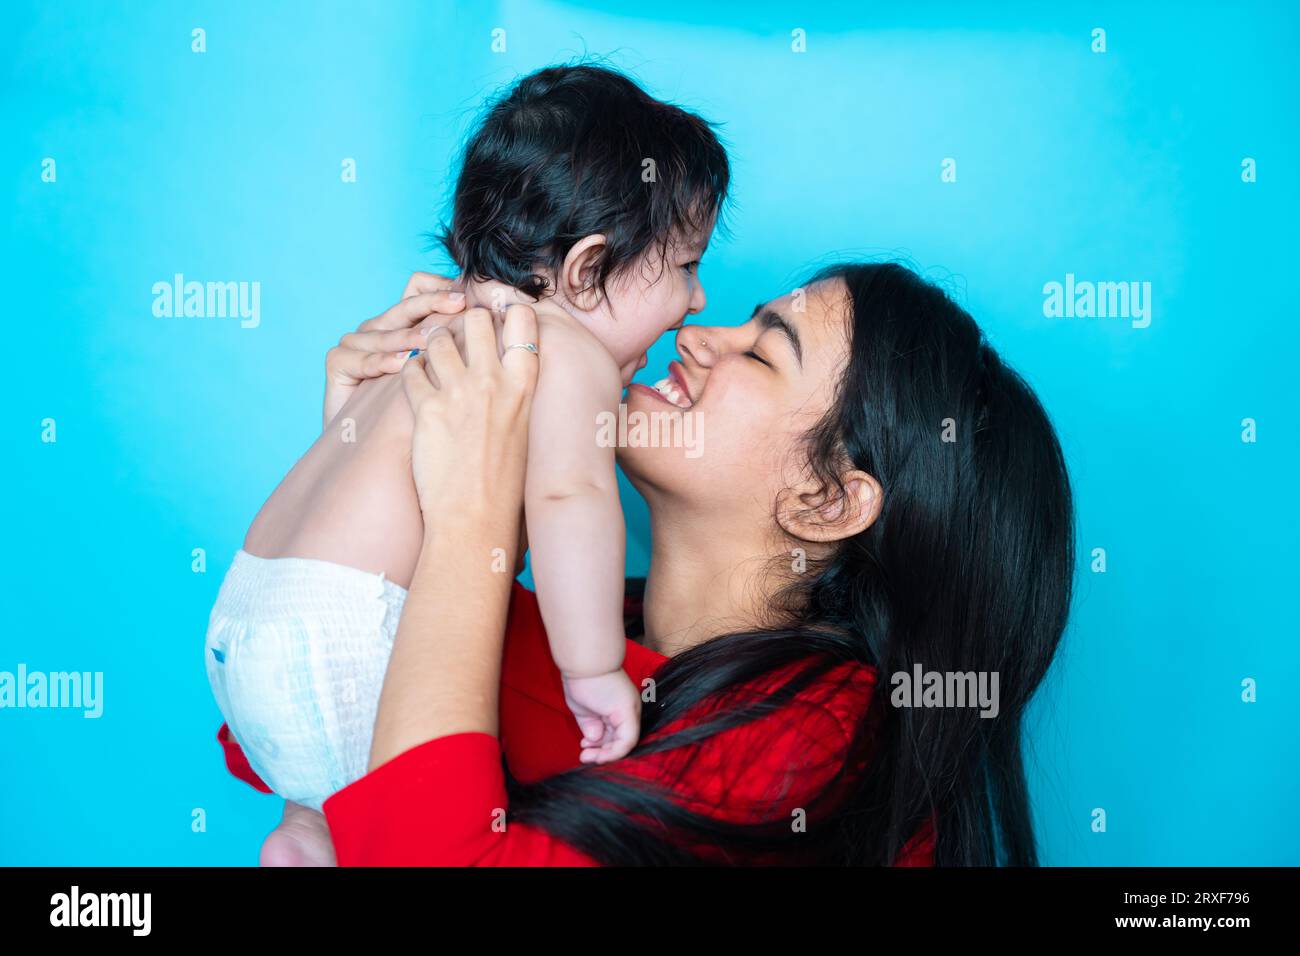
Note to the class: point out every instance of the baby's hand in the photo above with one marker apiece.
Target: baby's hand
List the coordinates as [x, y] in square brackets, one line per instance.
[608, 711]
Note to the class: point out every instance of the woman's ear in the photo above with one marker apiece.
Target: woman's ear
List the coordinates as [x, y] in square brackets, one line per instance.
[578, 274]
[825, 516]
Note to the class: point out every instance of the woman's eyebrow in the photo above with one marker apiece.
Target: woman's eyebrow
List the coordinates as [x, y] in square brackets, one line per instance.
[769, 318]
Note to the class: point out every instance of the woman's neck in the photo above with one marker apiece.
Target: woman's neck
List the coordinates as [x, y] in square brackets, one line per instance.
[701, 584]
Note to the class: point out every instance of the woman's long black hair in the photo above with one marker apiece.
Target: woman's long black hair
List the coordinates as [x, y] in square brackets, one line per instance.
[967, 569]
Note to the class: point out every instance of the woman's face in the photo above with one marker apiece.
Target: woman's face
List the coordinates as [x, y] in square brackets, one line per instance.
[752, 392]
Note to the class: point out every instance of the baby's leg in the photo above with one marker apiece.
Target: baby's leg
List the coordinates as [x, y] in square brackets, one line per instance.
[301, 839]
[350, 500]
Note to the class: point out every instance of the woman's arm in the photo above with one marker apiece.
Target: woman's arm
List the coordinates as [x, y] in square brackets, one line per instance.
[468, 453]
[435, 793]
[442, 803]
[237, 762]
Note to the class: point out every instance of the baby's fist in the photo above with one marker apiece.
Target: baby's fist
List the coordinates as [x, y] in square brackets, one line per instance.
[608, 710]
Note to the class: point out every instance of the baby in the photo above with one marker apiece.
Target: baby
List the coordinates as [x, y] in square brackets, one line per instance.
[588, 200]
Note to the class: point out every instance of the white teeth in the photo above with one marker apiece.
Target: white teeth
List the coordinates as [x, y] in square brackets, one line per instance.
[669, 390]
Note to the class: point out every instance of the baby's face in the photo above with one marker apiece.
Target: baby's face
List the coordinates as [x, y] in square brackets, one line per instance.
[653, 295]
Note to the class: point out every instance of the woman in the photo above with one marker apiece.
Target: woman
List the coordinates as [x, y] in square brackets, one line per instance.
[878, 493]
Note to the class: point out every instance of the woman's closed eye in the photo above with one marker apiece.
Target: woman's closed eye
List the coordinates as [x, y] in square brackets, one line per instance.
[758, 358]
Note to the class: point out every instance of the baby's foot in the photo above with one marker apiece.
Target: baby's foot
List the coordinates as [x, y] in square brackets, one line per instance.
[301, 839]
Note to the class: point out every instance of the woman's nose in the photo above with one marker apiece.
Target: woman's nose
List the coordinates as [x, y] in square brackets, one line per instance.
[699, 344]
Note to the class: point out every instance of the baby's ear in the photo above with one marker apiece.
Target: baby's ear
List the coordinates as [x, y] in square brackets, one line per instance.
[577, 279]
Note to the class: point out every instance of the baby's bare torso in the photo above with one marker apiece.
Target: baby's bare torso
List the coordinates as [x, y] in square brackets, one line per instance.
[351, 498]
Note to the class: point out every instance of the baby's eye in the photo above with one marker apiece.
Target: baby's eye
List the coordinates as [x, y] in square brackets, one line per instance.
[692, 266]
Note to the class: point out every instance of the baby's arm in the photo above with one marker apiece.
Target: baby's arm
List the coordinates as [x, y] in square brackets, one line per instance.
[576, 532]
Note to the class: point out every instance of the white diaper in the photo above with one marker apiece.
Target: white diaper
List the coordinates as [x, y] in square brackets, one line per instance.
[296, 653]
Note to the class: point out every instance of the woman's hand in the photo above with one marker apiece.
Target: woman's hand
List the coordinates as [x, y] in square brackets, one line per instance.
[470, 441]
[380, 345]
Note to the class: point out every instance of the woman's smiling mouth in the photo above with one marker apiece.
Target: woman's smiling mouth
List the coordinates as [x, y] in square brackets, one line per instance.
[665, 391]
[673, 387]
[669, 390]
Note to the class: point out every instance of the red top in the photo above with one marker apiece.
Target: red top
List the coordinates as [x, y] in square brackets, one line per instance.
[404, 813]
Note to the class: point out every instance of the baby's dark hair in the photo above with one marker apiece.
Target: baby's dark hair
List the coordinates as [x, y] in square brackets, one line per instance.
[570, 151]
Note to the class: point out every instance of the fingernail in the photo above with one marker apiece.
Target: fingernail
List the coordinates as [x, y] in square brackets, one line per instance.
[455, 296]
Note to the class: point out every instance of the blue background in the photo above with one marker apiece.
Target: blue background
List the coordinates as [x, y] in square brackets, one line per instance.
[226, 166]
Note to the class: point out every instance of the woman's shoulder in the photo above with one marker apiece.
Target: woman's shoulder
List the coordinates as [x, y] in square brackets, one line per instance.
[788, 757]
[799, 739]
[840, 689]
